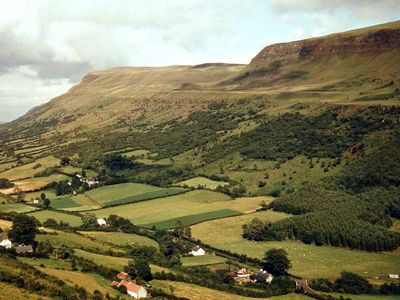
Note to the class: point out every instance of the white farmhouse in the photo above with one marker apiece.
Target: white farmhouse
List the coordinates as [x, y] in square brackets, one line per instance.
[101, 222]
[6, 243]
[133, 290]
[197, 251]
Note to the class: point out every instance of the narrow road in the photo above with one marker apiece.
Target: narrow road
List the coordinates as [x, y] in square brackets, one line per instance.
[304, 286]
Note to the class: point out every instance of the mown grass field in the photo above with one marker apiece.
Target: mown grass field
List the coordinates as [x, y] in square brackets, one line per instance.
[129, 192]
[4, 224]
[64, 202]
[121, 238]
[29, 170]
[169, 208]
[205, 260]
[43, 215]
[196, 292]
[193, 219]
[17, 207]
[202, 182]
[308, 261]
[75, 241]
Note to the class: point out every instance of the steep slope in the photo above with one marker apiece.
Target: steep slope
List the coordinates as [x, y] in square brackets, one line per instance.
[366, 57]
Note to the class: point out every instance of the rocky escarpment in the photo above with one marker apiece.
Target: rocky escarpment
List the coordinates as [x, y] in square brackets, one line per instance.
[370, 44]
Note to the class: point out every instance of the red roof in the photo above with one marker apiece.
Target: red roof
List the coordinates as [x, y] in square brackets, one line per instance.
[122, 275]
[130, 286]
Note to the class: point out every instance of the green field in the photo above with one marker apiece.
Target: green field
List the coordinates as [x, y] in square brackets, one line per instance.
[17, 207]
[193, 219]
[64, 202]
[121, 238]
[117, 263]
[75, 241]
[308, 261]
[205, 260]
[167, 208]
[43, 215]
[197, 182]
[29, 170]
[129, 192]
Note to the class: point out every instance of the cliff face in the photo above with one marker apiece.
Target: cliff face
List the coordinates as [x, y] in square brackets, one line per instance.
[370, 44]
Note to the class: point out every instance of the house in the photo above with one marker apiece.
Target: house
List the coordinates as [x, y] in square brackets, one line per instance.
[122, 276]
[24, 249]
[242, 276]
[101, 222]
[262, 276]
[134, 290]
[197, 251]
[6, 243]
[391, 276]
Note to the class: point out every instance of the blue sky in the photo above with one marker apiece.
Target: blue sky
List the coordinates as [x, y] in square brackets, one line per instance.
[47, 46]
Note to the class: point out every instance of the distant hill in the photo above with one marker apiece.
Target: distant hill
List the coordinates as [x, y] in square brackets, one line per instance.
[358, 67]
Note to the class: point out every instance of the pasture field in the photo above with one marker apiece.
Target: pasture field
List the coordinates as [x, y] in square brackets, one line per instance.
[205, 260]
[129, 192]
[167, 208]
[121, 238]
[43, 215]
[6, 165]
[29, 170]
[64, 202]
[83, 201]
[113, 262]
[75, 241]
[50, 194]
[71, 170]
[308, 261]
[33, 184]
[196, 292]
[117, 263]
[199, 181]
[17, 207]
[193, 219]
[245, 204]
[4, 224]
[30, 149]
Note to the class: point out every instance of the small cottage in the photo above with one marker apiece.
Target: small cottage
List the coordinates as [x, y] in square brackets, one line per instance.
[6, 243]
[134, 290]
[197, 251]
[101, 222]
[262, 277]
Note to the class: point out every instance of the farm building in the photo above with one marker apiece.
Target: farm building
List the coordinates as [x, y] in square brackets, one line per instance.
[6, 243]
[134, 290]
[123, 276]
[24, 249]
[101, 222]
[394, 276]
[262, 276]
[197, 251]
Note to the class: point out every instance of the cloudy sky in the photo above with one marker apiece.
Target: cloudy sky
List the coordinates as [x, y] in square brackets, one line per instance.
[47, 46]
